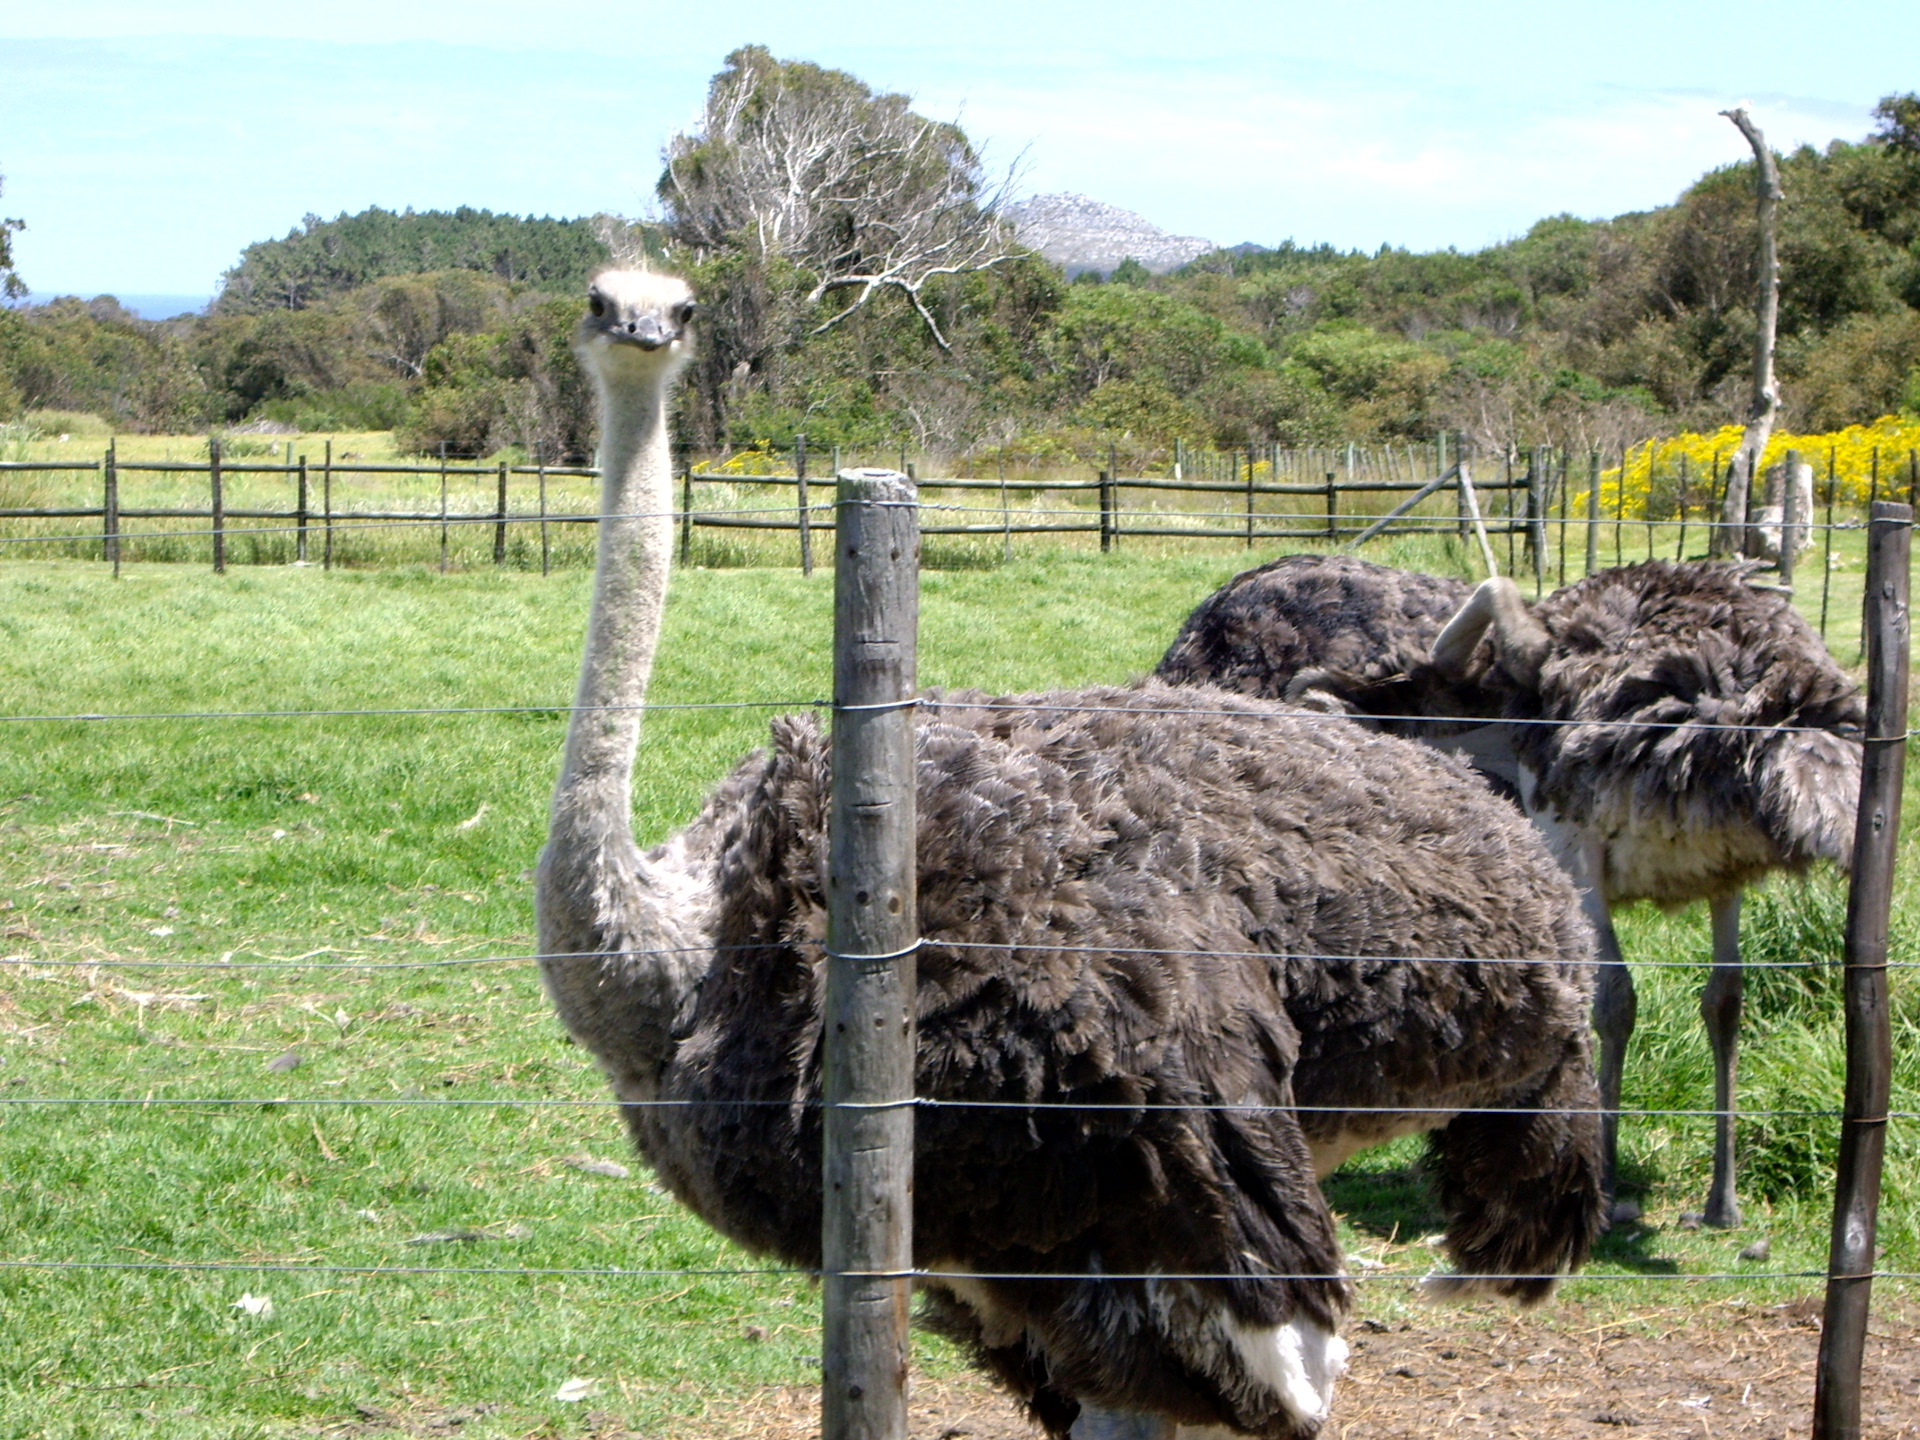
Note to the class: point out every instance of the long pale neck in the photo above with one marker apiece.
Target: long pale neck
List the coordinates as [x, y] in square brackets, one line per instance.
[629, 595]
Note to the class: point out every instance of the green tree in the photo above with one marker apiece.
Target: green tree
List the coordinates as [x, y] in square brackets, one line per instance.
[12, 287]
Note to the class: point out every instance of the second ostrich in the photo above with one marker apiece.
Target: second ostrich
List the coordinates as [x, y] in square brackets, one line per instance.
[1156, 911]
[1682, 734]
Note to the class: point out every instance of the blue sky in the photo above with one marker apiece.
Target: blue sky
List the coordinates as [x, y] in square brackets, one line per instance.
[145, 144]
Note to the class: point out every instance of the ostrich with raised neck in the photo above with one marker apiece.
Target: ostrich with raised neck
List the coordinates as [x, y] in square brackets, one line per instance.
[1136, 914]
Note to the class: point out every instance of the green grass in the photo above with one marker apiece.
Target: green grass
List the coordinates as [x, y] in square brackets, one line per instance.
[408, 837]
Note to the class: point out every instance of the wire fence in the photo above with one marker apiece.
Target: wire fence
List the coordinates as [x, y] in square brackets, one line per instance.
[1839, 1274]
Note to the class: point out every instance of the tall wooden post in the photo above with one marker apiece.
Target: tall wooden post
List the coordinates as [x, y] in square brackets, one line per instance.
[546, 557]
[500, 520]
[1106, 511]
[300, 513]
[1790, 519]
[1680, 545]
[1826, 553]
[1249, 497]
[800, 482]
[326, 509]
[110, 502]
[686, 506]
[443, 507]
[219, 506]
[872, 933]
[1593, 511]
[1537, 515]
[1333, 501]
[1863, 1124]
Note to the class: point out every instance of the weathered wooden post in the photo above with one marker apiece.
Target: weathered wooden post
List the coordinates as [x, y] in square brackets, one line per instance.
[1680, 546]
[326, 508]
[1333, 504]
[686, 505]
[872, 934]
[219, 506]
[540, 467]
[1790, 519]
[1249, 497]
[1106, 511]
[1863, 1124]
[110, 503]
[500, 520]
[300, 513]
[800, 482]
[443, 507]
[1593, 511]
[1537, 516]
[1826, 554]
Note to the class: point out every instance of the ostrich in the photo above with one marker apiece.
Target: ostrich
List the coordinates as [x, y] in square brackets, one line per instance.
[1161, 912]
[1640, 796]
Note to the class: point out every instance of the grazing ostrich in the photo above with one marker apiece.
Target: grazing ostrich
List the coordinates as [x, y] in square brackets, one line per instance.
[1161, 912]
[1638, 793]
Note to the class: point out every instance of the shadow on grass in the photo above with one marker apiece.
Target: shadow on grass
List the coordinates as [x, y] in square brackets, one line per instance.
[1398, 1205]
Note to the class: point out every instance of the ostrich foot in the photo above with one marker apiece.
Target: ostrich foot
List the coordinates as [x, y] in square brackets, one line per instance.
[1722, 1213]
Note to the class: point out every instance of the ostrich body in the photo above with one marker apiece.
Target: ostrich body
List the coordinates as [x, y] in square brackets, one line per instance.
[1639, 796]
[1125, 908]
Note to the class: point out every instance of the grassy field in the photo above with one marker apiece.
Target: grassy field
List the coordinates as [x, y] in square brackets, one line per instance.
[214, 845]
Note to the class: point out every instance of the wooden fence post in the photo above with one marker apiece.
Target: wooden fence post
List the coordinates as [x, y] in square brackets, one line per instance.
[686, 505]
[1790, 518]
[300, 524]
[540, 466]
[219, 506]
[1680, 546]
[872, 934]
[110, 503]
[1106, 512]
[1593, 511]
[1826, 555]
[500, 520]
[443, 507]
[326, 509]
[1249, 497]
[800, 482]
[1333, 509]
[1863, 1125]
[1537, 516]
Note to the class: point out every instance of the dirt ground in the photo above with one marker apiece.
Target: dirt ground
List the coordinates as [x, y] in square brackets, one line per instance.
[1724, 1370]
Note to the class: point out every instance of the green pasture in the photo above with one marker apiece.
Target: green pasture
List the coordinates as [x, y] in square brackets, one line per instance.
[406, 839]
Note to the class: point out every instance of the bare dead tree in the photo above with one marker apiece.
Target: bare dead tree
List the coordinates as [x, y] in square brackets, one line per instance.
[797, 163]
[1732, 537]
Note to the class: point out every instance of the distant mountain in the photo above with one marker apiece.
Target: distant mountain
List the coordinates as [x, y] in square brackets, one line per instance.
[1082, 234]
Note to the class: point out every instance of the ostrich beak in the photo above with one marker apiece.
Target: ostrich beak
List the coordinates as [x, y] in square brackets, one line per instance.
[649, 332]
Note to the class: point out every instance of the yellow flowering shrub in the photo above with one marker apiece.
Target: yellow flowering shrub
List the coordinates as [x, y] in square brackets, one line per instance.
[1652, 471]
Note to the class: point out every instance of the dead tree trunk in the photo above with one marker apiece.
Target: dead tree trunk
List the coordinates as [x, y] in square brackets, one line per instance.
[1733, 537]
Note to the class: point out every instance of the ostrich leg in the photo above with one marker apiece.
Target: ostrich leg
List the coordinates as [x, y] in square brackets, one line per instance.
[1614, 1008]
[1720, 1008]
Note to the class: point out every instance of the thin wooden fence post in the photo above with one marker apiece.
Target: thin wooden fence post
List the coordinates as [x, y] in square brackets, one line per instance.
[800, 483]
[443, 507]
[1006, 512]
[1680, 546]
[326, 509]
[1790, 518]
[1863, 1124]
[540, 466]
[1333, 503]
[300, 530]
[686, 506]
[1593, 511]
[872, 935]
[1873, 489]
[1106, 511]
[500, 520]
[1646, 508]
[111, 504]
[1249, 497]
[1826, 559]
[1537, 517]
[1566, 500]
[1620, 507]
[219, 506]
[1913, 477]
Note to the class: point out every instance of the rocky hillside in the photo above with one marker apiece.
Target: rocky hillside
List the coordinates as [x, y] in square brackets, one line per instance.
[1082, 234]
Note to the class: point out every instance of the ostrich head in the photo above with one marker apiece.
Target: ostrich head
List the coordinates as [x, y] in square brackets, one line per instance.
[1689, 690]
[635, 329]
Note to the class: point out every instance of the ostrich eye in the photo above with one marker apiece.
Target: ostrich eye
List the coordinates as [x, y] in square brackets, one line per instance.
[597, 306]
[684, 312]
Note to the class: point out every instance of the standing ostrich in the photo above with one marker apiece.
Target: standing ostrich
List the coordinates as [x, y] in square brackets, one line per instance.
[1640, 795]
[1129, 904]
